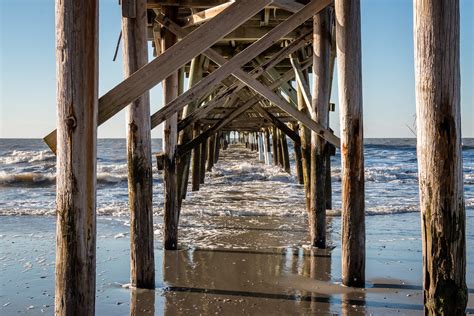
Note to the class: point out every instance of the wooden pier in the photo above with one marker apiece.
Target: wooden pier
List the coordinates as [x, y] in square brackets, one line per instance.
[248, 63]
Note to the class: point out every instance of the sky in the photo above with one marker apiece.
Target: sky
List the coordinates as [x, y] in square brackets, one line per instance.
[27, 69]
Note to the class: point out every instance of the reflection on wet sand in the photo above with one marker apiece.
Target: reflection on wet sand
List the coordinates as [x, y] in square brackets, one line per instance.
[142, 302]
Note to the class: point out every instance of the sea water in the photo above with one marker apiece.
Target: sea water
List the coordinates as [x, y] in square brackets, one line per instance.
[244, 185]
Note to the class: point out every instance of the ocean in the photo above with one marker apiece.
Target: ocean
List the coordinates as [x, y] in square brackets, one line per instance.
[27, 181]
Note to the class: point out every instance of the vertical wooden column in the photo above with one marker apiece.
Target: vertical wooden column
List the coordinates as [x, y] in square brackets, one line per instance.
[77, 102]
[437, 77]
[285, 153]
[352, 147]
[140, 177]
[170, 92]
[298, 156]
[275, 146]
[279, 149]
[305, 136]
[320, 105]
[202, 168]
[261, 148]
[268, 159]
[328, 184]
[196, 162]
[195, 74]
[210, 153]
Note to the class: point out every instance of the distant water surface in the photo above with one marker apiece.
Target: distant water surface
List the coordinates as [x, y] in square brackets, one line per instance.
[27, 181]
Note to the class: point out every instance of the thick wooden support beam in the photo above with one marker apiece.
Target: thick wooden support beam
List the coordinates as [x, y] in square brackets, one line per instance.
[320, 113]
[196, 163]
[205, 15]
[170, 142]
[352, 138]
[288, 5]
[173, 59]
[201, 112]
[438, 113]
[210, 152]
[202, 168]
[233, 67]
[302, 83]
[140, 177]
[216, 127]
[266, 145]
[77, 49]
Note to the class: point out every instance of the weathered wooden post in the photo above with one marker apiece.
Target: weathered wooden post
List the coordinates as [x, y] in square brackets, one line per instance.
[268, 155]
[261, 150]
[285, 153]
[352, 147]
[437, 77]
[275, 146]
[195, 74]
[202, 167]
[196, 162]
[77, 102]
[305, 135]
[320, 105]
[210, 153]
[170, 92]
[298, 156]
[140, 177]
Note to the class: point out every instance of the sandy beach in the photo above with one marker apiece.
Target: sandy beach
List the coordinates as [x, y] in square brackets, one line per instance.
[230, 264]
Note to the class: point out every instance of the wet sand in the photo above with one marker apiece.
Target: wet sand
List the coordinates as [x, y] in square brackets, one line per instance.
[228, 265]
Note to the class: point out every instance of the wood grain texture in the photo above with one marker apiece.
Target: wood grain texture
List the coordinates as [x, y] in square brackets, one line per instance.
[140, 177]
[320, 113]
[174, 58]
[348, 41]
[77, 102]
[437, 77]
[170, 133]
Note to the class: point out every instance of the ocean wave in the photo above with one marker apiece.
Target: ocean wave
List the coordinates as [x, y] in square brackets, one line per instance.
[26, 179]
[20, 156]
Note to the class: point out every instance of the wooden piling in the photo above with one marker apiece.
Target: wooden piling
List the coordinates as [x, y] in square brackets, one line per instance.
[140, 177]
[210, 153]
[77, 103]
[195, 74]
[298, 156]
[320, 113]
[170, 175]
[202, 168]
[348, 40]
[196, 162]
[268, 158]
[275, 146]
[437, 77]
[285, 153]
[305, 135]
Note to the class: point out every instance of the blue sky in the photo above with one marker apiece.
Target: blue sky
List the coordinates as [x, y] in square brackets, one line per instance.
[27, 61]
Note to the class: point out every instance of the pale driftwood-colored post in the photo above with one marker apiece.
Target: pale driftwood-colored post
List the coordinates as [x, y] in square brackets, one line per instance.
[196, 162]
[437, 77]
[170, 92]
[267, 150]
[77, 102]
[352, 147]
[320, 105]
[140, 177]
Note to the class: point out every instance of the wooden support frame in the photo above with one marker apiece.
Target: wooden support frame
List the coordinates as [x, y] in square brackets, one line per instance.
[233, 67]
[303, 84]
[174, 58]
[205, 15]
